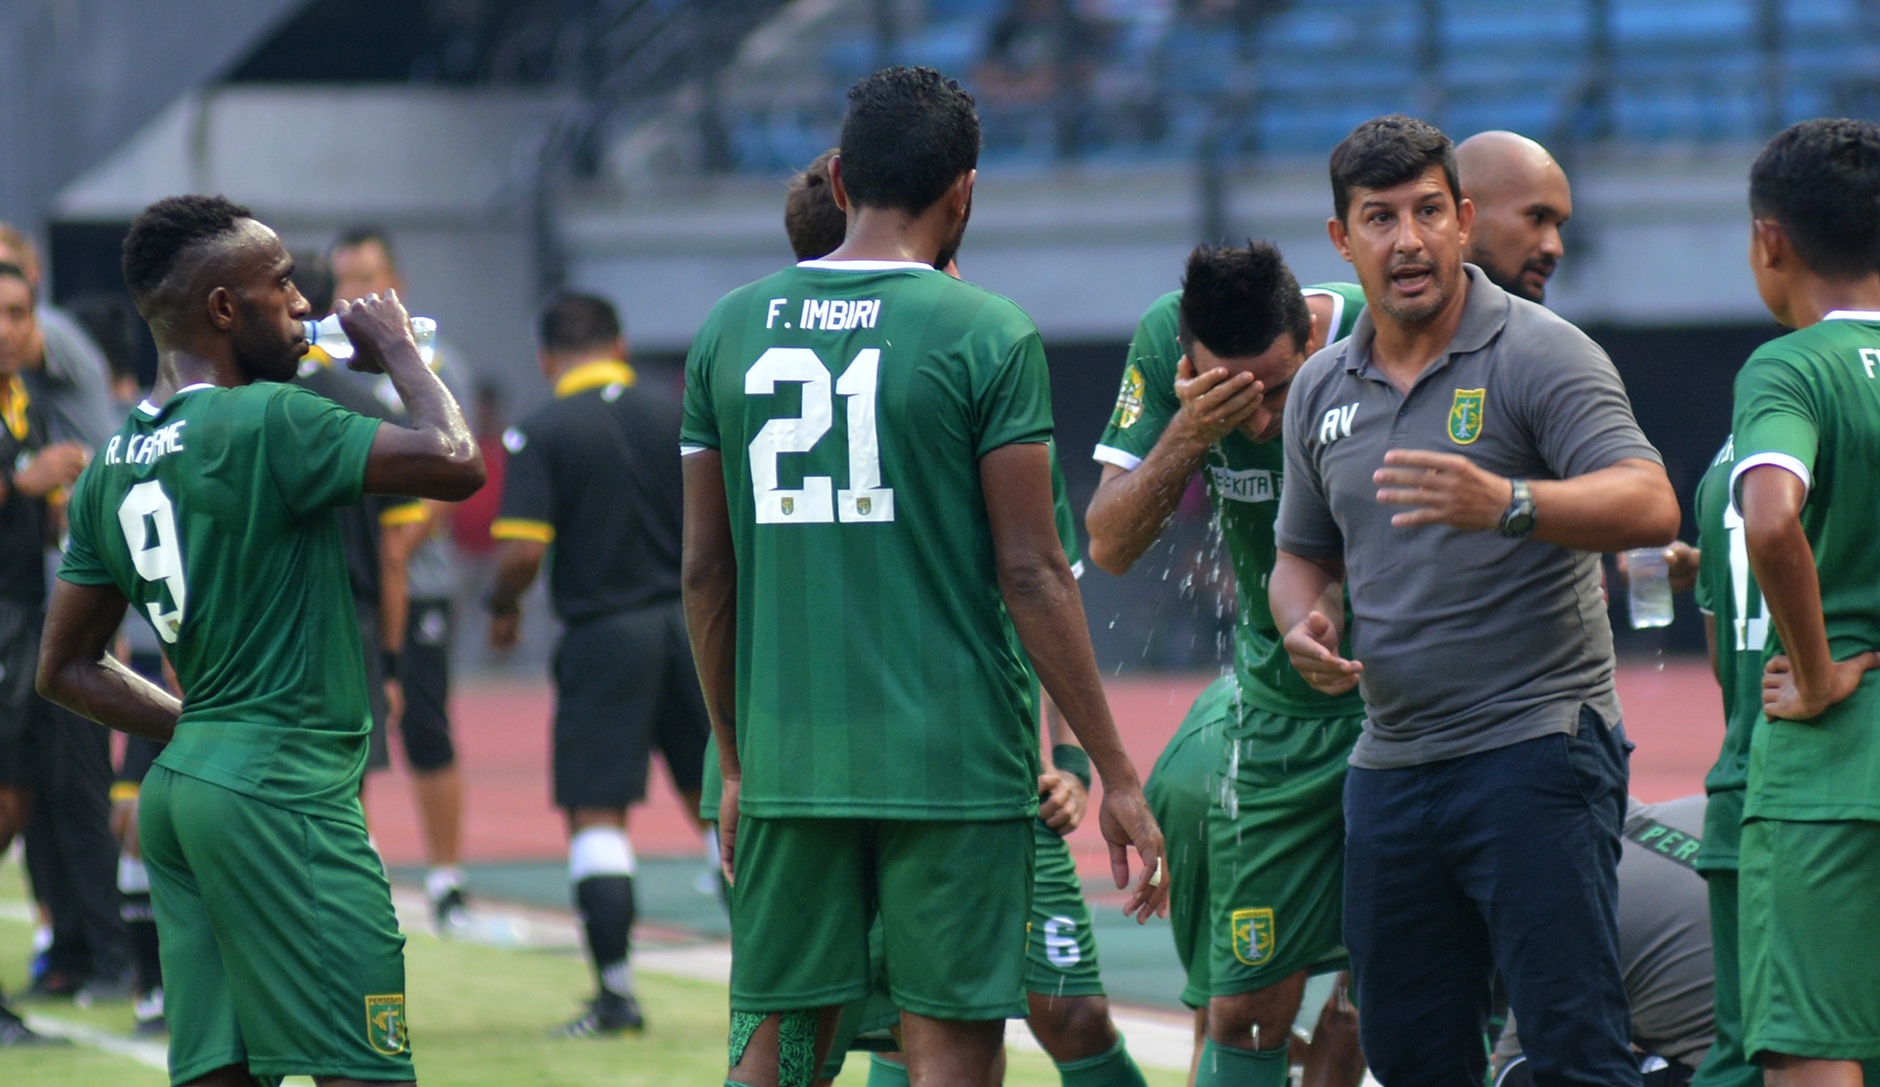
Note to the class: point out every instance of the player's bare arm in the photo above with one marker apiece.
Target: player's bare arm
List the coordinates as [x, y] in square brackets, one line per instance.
[1041, 594]
[1804, 681]
[433, 455]
[78, 671]
[1307, 596]
[709, 580]
[517, 563]
[1132, 505]
[1629, 504]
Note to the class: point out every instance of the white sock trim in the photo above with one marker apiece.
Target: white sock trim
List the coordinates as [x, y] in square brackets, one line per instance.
[599, 851]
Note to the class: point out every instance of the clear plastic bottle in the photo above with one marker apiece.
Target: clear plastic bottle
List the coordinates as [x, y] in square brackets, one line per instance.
[326, 335]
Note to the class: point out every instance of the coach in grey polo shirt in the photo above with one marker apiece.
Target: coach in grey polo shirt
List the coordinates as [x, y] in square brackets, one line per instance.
[1453, 465]
[1470, 639]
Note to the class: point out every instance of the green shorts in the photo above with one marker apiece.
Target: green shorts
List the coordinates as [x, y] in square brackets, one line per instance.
[1724, 1064]
[1182, 790]
[1723, 829]
[1061, 954]
[865, 1023]
[280, 948]
[1276, 850]
[953, 898]
[1809, 922]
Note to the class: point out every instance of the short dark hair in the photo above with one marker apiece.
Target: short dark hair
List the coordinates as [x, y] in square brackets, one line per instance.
[1237, 302]
[1820, 180]
[10, 270]
[166, 230]
[365, 234]
[909, 134]
[572, 321]
[815, 224]
[313, 276]
[1387, 151]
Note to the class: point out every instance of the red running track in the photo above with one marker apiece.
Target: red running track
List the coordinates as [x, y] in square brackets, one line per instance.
[1673, 713]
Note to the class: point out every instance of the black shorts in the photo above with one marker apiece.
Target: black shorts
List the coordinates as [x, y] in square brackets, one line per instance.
[622, 684]
[26, 721]
[424, 672]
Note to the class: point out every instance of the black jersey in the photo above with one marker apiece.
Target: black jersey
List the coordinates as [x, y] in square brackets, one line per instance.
[595, 474]
[22, 519]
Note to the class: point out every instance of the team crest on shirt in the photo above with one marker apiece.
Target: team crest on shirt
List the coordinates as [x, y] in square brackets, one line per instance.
[788, 504]
[385, 1024]
[1128, 400]
[1253, 935]
[1465, 415]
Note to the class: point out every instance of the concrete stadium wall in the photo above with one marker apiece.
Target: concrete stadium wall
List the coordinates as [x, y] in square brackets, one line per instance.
[1657, 240]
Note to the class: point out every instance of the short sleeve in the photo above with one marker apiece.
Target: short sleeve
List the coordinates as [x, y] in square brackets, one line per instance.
[1066, 520]
[1575, 405]
[1305, 525]
[315, 449]
[698, 429]
[528, 506]
[1145, 401]
[1775, 420]
[82, 563]
[1013, 404]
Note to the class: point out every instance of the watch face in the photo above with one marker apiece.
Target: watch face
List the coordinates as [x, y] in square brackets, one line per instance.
[1519, 525]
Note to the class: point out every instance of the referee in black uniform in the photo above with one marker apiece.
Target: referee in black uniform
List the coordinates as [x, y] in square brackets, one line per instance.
[595, 476]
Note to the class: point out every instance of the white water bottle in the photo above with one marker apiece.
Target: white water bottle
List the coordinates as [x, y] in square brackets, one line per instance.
[326, 335]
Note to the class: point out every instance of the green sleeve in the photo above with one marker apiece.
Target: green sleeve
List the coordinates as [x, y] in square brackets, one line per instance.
[1066, 520]
[1013, 404]
[82, 564]
[1146, 401]
[1775, 421]
[1706, 562]
[316, 450]
[1349, 303]
[699, 430]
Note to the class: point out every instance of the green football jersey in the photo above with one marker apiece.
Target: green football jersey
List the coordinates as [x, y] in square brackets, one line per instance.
[1243, 478]
[1727, 592]
[1809, 402]
[877, 672]
[213, 515]
[712, 787]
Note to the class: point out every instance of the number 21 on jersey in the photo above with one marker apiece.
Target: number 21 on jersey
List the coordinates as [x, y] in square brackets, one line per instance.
[817, 501]
[149, 523]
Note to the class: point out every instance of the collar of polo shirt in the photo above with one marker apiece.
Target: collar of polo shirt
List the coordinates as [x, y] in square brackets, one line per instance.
[594, 375]
[1483, 317]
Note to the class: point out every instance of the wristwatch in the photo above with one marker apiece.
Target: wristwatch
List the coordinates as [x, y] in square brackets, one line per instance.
[1518, 520]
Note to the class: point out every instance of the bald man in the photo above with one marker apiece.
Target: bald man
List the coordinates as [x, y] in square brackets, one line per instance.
[1521, 200]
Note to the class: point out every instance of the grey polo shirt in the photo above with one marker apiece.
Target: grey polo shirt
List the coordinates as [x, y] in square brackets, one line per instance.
[1469, 641]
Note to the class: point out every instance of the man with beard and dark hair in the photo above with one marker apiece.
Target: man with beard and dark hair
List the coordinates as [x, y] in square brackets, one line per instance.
[862, 591]
[1455, 466]
[1521, 200]
[210, 510]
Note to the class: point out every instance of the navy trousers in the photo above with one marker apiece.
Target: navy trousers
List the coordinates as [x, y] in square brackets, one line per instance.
[1506, 860]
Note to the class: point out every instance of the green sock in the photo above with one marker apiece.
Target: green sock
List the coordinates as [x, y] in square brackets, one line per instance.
[1223, 1065]
[885, 1073]
[1112, 1069]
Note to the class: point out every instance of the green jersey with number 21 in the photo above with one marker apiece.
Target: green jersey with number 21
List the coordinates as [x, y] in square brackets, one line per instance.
[851, 403]
[213, 515]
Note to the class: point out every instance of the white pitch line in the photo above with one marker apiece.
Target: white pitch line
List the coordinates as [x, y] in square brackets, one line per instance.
[149, 1054]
